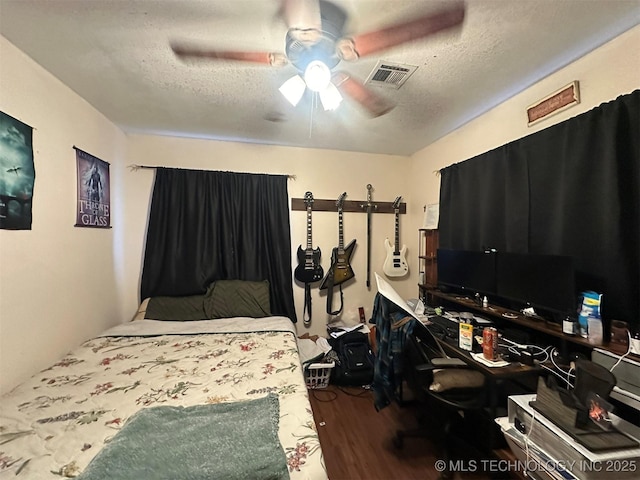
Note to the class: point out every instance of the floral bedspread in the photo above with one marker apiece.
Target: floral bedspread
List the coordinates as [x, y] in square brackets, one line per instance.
[52, 425]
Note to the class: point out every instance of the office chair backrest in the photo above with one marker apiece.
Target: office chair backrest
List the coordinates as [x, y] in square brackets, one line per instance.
[416, 353]
[429, 343]
[430, 373]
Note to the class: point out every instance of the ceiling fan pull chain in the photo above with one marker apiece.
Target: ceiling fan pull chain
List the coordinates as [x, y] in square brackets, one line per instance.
[313, 101]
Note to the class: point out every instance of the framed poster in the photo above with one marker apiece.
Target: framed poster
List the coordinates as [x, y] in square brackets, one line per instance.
[94, 199]
[17, 173]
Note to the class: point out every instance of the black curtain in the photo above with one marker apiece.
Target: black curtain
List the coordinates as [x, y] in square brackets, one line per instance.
[571, 189]
[208, 225]
[484, 203]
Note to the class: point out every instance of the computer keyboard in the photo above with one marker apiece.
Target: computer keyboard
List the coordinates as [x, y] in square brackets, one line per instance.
[443, 321]
[448, 329]
[443, 327]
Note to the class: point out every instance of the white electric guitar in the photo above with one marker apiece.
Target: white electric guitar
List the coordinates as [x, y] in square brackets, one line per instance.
[395, 265]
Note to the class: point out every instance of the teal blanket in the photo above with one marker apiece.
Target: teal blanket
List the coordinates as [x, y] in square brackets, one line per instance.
[219, 441]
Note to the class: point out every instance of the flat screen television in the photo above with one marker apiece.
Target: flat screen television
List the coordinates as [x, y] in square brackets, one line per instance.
[468, 270]
[546, 282]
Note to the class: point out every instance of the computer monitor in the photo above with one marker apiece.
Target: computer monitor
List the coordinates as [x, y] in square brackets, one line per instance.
[468, 270]
[543, 281]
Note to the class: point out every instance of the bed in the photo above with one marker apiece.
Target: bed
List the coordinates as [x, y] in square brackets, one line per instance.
[212, 398]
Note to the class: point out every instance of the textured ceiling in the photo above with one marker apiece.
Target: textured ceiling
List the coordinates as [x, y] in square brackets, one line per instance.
[116, 55]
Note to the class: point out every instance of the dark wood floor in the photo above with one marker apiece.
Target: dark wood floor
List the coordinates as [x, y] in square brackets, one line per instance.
[357, 440]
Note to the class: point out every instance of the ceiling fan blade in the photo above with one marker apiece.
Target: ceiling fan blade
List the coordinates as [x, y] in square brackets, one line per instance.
[303, 19]
[382, 39]
[373, 103]
[190, 52]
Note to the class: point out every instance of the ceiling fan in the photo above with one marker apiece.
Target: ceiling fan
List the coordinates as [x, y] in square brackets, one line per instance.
[315, 44]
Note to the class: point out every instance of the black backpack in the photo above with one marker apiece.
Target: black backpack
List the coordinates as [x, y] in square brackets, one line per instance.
[354, 363]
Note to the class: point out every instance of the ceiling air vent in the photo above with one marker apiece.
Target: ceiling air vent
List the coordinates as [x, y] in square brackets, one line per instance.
[391, 75]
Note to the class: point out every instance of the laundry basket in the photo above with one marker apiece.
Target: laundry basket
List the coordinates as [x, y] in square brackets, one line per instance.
[317, 375]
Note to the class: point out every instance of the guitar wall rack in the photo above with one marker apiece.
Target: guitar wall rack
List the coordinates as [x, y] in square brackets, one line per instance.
[358, 206]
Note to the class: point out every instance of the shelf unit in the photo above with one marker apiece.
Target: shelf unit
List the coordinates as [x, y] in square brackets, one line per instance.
[428, 243]
[513, 317]
[427, 260]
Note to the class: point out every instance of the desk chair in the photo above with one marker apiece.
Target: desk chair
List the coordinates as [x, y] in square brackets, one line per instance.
[446, 386]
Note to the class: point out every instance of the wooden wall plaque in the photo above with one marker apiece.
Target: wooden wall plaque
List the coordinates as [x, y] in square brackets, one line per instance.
[556, 102]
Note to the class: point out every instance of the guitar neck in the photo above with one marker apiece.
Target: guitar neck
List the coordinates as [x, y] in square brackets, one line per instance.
[309, 243]
[397, 240]
[340, 233]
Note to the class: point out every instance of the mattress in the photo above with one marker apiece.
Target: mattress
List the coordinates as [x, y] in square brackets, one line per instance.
[55, 423]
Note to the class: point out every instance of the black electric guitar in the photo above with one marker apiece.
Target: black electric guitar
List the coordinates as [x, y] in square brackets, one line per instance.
[395, 265]
[309, 269]
[340, 270]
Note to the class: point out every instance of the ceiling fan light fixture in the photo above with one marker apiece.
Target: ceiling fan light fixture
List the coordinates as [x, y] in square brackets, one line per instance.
[317, 76]
[330, 97]
[293, 89]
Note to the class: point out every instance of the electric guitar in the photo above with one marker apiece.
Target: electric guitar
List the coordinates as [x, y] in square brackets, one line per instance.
[309, 269]
[395, 265]
[340, 270]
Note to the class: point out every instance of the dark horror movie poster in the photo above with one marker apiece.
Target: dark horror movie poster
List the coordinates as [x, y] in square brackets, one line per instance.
[94, 206]
[17, 173]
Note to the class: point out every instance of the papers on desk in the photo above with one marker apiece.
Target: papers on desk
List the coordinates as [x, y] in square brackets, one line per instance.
[482, 321]
[479, 357]
[388, 292]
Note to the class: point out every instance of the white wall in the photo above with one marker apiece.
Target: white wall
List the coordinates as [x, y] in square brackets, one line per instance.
[604, 74]
[58, 284]
[325, 173]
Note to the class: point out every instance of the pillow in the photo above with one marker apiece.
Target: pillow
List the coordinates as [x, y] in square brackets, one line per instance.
[176, 308]
[142, 310]
[450, 378]
[237, 298]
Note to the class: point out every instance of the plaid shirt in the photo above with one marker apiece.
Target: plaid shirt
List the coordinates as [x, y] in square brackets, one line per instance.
[393, 326]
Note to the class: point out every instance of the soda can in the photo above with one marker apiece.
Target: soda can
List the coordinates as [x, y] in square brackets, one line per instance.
[490, 343]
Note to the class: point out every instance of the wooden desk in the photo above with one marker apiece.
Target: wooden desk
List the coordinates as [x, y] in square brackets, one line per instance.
[513, 370]
[494, 376]
[534, 323]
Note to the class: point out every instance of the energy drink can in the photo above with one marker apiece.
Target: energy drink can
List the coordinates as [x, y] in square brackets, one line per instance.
[490, 343]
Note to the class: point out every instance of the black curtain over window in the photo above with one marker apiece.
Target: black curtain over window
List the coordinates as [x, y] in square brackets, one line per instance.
[207, 225]
[572, 189]
[484, 203]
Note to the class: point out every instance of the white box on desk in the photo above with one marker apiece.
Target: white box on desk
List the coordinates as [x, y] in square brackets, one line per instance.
[585, 464]
[627, 373]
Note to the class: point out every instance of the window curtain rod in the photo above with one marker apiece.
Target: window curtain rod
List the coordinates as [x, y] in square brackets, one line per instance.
[134, 168]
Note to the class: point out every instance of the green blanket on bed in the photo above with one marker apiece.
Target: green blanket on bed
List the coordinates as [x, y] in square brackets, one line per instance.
[219, 441]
